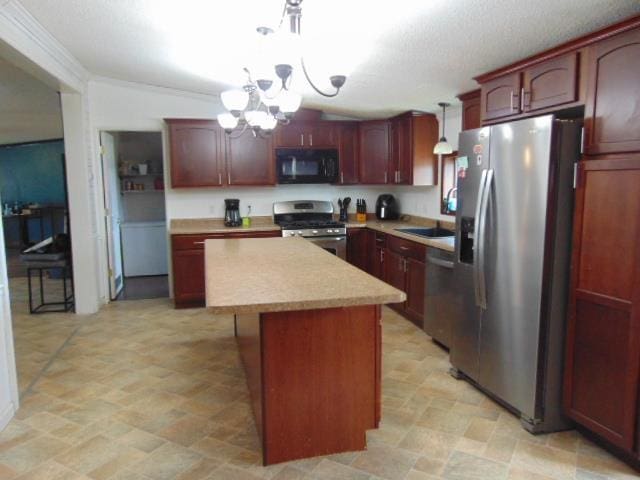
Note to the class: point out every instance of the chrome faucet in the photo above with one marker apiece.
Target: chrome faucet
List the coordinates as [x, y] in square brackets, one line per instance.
[449, 193]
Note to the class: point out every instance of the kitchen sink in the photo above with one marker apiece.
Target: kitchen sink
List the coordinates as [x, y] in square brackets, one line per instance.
[428, 232]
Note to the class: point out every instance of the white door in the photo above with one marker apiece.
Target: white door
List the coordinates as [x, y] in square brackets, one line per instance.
[112, 208]
[8, 379]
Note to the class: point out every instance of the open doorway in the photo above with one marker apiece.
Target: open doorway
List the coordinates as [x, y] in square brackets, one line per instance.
[34, 205]
[135, 220]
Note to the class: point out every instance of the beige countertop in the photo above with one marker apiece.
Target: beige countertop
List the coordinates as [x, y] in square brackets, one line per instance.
[281, 274]
[194, 226]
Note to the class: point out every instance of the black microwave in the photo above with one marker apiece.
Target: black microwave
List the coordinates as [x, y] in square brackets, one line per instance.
[294, 165]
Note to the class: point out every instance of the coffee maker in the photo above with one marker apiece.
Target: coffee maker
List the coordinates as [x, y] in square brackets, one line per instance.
[232, 212]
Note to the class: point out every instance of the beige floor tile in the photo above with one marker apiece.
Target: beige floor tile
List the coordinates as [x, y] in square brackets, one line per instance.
[167, 462]
[463, 466]
[517, 473]
[430, 443]
[16, 433]
[141, 440]
[480, 429]
[291, 473]
[609, 467]
[26, 456]
[430, 465]
[330, 469]
[552, 462]
[7, 473]
[500, 447]
[389, 463]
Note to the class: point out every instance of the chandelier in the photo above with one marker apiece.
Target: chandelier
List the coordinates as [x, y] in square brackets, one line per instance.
[256, 105]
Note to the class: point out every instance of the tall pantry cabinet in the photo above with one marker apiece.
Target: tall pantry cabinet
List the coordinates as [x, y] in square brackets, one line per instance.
[602, 369]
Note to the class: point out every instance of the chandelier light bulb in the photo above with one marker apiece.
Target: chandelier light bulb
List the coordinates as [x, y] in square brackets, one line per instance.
[255, 118]
[235, 100]
[289, 101]
[269, 123]
[227, 121]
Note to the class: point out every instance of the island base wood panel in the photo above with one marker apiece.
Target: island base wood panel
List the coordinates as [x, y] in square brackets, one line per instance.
[314, 379]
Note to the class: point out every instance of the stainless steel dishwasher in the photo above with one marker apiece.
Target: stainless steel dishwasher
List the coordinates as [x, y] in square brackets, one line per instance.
[440, 304]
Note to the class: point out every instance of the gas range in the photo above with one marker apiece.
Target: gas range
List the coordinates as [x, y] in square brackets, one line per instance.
[313, 228]
[312, 219]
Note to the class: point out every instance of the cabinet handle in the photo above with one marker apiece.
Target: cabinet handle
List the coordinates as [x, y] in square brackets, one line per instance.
[526, 100]
[405, 264]
[341, 177]
[311, 139]
[220, 178]
[302, 139]
[402, 247]
[381, 256]
[198, 243]
[229, 178]
[522, 99]
[511, 100]
[385, 177]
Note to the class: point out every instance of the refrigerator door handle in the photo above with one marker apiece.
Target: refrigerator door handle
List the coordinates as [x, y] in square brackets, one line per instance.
[476, 247]
[482, 227]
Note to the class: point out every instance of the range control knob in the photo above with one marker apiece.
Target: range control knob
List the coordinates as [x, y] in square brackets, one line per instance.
[314, 232]
[329, 231]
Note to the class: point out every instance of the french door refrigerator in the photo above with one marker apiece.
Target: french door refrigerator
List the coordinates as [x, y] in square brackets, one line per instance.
[513, 241]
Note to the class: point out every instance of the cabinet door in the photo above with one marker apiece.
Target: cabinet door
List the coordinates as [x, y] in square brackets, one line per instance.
[395, 267]
[188, 277]
[471, 112]
[612, 116]
[602, 367]
[551, 83]
[250, 160]
[416, 276]
[348, 152]
[357, 247]
[292, 135]
[501, 97]
[321, 135]
[196, 153]
[374, 152]
[401, 151]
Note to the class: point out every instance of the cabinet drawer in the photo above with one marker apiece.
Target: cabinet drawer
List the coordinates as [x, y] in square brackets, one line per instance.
[407, 248]
[380, 240]
[190, 242]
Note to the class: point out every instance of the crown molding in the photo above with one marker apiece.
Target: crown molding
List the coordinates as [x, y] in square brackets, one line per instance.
[146, 87]
[20, 30]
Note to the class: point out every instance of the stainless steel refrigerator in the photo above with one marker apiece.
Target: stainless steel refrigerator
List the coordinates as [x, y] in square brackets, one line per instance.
[513, 242]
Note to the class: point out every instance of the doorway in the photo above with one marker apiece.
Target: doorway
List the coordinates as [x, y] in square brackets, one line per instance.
[135, 214]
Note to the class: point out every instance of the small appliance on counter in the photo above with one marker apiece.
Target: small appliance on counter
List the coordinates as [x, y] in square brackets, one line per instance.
[387, 207]
[232, 212]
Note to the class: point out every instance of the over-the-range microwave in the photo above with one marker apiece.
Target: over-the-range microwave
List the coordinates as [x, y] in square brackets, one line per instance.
[295, 165]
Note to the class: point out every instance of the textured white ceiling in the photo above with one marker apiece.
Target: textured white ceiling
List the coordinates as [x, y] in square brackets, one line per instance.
[30, 109]
[405, 54]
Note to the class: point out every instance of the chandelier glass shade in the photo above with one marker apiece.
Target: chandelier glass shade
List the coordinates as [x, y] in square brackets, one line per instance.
[267, 101]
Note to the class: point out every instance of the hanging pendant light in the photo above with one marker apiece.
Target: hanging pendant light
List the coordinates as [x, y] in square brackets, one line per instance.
[443, 147]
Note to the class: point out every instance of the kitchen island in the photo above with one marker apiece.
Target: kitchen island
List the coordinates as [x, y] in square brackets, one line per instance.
[308, 330]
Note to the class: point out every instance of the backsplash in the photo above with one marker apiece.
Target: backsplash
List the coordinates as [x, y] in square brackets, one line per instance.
[209, 202]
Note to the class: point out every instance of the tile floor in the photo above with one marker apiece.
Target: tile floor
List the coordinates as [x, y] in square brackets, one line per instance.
[140, 391]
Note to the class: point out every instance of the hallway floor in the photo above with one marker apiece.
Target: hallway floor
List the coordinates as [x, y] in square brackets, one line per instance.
[141, 391]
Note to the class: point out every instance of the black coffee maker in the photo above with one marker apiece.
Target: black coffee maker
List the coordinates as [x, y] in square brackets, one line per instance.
[232, 212]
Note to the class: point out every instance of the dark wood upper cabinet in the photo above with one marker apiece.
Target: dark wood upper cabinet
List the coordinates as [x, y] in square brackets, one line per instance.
[470, 110]
[374, 152]
[197, 153]
[250, 160]
[602, 367]
[348, 152]
[613, 102]
[501, 97]
[320, 134]
[413, 136]
[550, 83]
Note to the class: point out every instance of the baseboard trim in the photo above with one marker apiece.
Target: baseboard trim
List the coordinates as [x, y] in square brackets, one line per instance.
[6, 415]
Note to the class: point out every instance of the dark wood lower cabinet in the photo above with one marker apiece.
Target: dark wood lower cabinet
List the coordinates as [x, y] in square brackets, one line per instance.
[415, 281]
[187, 252]
[314, 379]
[357, 247]
[602, 369]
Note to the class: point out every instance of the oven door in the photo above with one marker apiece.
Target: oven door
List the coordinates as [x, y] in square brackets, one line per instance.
[335, 245]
